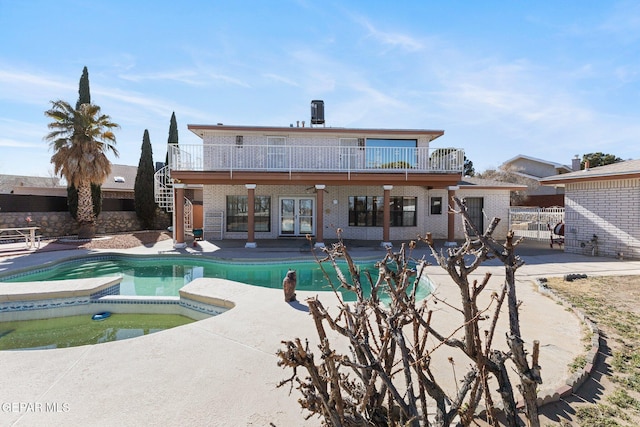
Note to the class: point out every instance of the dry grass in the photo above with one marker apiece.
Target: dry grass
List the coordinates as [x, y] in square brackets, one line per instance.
[612, 396]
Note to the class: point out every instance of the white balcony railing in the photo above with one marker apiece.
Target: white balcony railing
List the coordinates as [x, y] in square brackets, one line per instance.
[304, 158]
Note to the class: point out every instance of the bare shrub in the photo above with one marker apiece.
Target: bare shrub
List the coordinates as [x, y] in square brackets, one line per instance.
[386, 377]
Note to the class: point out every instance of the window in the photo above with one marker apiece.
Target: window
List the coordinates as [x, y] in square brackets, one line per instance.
[368, 211]
[237, 213]
[391, 153]
[365, 211]
[436, 206]
[403, 211]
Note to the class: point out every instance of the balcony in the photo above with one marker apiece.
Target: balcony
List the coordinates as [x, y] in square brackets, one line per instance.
[305, 158]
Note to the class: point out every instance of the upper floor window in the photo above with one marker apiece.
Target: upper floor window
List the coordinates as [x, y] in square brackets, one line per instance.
[391, 153]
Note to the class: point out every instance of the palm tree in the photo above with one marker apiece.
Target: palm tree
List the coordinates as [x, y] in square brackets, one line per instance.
[80, 139]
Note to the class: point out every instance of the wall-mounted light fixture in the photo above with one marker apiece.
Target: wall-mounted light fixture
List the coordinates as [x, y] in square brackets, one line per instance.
[239, 140]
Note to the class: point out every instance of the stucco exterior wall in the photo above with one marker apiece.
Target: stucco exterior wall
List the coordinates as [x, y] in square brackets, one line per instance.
[610, 210]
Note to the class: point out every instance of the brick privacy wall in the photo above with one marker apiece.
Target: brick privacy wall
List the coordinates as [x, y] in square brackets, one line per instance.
[336, 216]
[58, 224]
[608, 209]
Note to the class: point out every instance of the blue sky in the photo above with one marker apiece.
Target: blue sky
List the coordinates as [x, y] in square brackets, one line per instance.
[546, 79]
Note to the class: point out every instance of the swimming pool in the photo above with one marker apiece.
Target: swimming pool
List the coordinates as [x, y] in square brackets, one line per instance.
[164, 276]
[73, 331]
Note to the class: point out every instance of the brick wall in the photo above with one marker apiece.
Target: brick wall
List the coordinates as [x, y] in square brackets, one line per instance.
[496, 204]
[608, 209]
[336, 214]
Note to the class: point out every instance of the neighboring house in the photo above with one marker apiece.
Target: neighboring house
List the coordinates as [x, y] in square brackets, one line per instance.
[603, 202]
[535, 169]
[12, 184]
[374, 184]
[118, 185]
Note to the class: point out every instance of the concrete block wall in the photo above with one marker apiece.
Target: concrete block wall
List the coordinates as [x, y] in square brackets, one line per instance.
[610, 210]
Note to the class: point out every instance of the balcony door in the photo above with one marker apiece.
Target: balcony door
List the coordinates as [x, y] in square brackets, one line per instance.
[277, 153]
[297, 215]
[348, 153]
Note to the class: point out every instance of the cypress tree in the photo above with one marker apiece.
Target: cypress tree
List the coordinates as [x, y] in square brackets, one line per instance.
[173, 135]
[143, 190]
[84, 97]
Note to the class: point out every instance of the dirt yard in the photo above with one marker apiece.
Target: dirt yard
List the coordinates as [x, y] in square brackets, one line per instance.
[611, 396]
[120, 241]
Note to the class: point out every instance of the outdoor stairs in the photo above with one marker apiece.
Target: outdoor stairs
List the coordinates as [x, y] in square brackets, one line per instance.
[163, 194]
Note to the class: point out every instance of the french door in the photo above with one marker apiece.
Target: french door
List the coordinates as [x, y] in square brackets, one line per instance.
[297, 216]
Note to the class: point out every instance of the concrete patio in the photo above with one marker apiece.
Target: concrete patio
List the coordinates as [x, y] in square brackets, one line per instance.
[223, 370]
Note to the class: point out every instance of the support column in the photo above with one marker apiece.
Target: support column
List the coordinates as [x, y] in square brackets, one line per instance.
[251, 218]
[386, 216]
[320, 215]
[178, 216]
[451, 217]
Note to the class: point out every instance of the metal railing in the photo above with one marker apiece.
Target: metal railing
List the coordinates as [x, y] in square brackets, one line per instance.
[534, 222]
[305, 158]
[163, 194]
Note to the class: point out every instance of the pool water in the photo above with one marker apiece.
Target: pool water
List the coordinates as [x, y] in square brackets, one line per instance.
[156, 276]
[72, 331]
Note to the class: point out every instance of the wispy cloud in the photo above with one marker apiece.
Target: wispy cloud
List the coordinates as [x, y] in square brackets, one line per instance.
[24, 86]
[281, 79]
[624, 21]
[189, 77]
[5, 142]
[390, 38]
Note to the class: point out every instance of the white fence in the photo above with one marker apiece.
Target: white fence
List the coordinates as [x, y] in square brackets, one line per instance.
[534, 223]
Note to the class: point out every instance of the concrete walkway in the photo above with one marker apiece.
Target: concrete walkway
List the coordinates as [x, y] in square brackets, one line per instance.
[223, 371]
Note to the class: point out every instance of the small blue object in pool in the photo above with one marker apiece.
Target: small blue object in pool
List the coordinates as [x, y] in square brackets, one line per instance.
[101, 316]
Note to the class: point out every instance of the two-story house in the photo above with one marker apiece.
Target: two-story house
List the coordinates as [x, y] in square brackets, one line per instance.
[261, 182]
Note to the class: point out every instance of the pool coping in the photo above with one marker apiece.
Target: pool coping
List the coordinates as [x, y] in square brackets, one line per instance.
[59, 298]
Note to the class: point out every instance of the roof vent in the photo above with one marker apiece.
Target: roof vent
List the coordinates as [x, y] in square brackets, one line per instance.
[118, 179]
